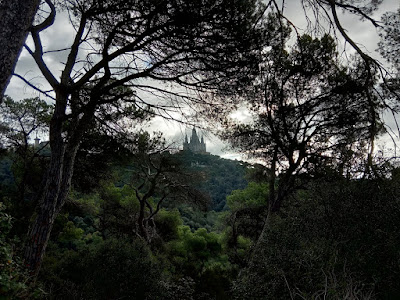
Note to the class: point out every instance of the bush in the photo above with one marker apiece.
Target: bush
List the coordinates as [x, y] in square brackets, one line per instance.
[14, 280]
[338, 239]
[113, 269]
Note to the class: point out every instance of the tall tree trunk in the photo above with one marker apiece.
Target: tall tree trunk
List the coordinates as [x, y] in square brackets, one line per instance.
[58, 181]
[56, 191]
[16, 17]
[272, 178]
[284, 188]
[48, 204]
[39, 232]
[141, 221]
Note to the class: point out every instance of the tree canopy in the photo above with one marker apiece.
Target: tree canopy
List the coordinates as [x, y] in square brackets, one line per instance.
[308, 111]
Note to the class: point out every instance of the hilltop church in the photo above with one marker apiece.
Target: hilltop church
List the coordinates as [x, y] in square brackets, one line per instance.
[195, 144]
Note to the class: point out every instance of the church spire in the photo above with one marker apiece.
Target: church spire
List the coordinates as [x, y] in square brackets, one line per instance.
[195, 138]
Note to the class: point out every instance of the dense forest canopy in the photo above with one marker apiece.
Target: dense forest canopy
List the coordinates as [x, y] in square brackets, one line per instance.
[92, 206]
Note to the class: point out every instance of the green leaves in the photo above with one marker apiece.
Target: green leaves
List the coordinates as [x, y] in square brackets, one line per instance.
[70, 233]
[23, 118]
[254, 195]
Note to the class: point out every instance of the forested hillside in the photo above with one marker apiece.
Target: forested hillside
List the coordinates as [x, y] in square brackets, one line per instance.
[94, 206]
[190, 252]
[220, 176]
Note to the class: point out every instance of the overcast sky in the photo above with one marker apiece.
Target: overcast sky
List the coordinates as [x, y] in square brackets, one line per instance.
[60, 36]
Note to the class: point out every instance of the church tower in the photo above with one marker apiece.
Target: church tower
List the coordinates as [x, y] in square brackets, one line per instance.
[194, 145]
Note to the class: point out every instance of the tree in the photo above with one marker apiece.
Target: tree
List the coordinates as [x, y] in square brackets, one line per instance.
[16, 18]
[389, 46]
[20, 120]
[147, 46]
[158, 176]
[247, 214]
[308, 111]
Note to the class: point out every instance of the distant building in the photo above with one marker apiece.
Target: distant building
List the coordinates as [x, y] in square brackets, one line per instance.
[37, 142]
[195, 144]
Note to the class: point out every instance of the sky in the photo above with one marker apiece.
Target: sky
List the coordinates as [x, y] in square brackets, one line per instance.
[60, 36]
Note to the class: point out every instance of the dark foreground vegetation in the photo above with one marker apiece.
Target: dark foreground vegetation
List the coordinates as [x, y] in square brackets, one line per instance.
[102, 209]
[335, 237]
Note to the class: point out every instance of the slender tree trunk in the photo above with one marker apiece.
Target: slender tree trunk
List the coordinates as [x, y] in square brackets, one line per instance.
[272, 178]
[68, 171]
[141, 222]
[39, 232]
[16, 17]
[284, 188]
[48, 204]
[56, 192]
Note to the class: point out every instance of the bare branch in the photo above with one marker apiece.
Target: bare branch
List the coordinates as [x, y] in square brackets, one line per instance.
[46, 93]
[48, 21]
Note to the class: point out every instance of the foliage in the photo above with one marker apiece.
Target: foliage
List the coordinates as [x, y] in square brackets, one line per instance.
[167, 224]
[330, 241]
[221, 176]
[195, 218]
[308, 111]
[244, 221]
[108, 269]
[155, 177]
[23, 118]
[390, 41]
[108, 217]
[252, 196]
[118, 211]
[14, 281]
[199, 255]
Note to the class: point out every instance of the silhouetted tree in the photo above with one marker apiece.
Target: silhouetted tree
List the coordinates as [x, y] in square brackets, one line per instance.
[158, 176]
[147, 46]
[20, 120]
[308, 111]
[389, 46]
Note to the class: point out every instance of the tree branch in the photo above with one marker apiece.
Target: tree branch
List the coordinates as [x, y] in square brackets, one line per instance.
[34, 87]
[38, 53]
[49, 20]
[66, 74]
